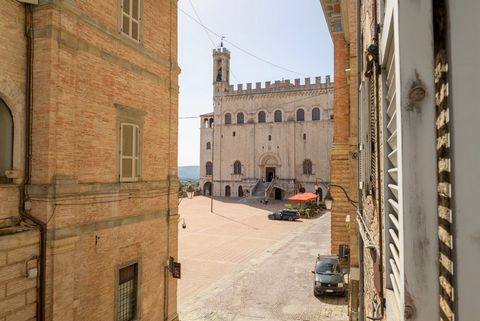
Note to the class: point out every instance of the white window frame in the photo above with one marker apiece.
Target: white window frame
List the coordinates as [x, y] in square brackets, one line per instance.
[124, 15]
[136, 141]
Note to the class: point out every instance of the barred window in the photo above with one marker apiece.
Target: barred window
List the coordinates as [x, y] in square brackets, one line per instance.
[130, 19]
[240, 118]
[127, 308]
[300, 115]
[209, 168]
[307, 167]
[228, 118]
[237, 168]
[261, 117]
[278, 116]
[316, 113]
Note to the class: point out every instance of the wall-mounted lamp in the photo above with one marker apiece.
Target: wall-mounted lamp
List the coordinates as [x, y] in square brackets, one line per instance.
[184, 225]
[329, 199]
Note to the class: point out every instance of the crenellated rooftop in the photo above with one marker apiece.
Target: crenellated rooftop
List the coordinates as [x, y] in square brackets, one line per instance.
[280, 86]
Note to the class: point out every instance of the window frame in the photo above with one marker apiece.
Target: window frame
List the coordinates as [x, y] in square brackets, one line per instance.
[300, 111]
[209, 146]
[307, 167]
[116, 307]
[264, 117]
[237, 167]
[207, 172]
[9, 143]
[229, 118]
[121, 15]
[240, 118]
[319, 114]
[129, 116]
[275, 120]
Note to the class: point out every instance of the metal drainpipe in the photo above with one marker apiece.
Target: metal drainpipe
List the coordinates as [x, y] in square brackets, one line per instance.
[361, 307]
[42, 227]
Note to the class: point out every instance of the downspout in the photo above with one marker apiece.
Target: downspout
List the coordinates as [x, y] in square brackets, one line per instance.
[361, 306]
[42, 227]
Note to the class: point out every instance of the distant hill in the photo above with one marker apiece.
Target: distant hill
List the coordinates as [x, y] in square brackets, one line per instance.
[189, 173]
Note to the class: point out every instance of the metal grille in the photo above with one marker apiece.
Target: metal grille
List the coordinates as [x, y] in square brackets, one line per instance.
[394, 213]
[373, 132]
[127, 293]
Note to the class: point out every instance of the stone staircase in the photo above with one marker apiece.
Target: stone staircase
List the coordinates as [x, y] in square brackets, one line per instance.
[260, 190]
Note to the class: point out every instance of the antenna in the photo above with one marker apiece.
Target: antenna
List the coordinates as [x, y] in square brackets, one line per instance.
[221, 41]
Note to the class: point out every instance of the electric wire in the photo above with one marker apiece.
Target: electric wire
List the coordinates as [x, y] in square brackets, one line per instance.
[241, 49]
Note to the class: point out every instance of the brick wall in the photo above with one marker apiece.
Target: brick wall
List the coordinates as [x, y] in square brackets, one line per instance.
[18, 293]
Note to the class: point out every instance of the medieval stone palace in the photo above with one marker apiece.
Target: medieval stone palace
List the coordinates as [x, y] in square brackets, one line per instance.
[266, 141]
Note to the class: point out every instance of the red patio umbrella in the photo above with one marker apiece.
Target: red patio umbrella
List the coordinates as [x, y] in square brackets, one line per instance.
[303, 197]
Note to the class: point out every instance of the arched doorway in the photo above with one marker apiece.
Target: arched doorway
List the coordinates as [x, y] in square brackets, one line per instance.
[207, 189]
[228, 191]
[240, 191]
[278, 194]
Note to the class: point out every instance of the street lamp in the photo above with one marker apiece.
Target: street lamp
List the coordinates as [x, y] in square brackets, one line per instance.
[329, 199]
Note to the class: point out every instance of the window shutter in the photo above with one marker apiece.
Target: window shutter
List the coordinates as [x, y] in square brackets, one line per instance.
[394, 215]
[127, 151]
[373, 133]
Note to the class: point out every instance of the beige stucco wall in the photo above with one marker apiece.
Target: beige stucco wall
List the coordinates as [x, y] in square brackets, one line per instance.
[249, 142]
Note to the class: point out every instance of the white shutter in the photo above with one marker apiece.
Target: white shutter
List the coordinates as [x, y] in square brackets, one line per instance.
[129, 152]
[393, 213]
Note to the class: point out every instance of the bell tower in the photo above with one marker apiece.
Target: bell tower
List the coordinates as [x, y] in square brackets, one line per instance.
[221, 70]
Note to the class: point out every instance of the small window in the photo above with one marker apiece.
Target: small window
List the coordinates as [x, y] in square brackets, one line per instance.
[315, 113]
[304, 136]
[300, 115]
[228, 118]
[6, 141]
[269, 137]
[209, 168]
[237, 168]
[130, 19]
[261, 117]
[234, 133]
[278, 116]
[307, 167]
[332, 117]
[129, 152]
[209, 145]
[240, 118]
[210, 125]
[127, 293]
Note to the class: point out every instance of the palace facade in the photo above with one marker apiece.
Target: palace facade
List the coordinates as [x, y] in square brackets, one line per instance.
[269, 140]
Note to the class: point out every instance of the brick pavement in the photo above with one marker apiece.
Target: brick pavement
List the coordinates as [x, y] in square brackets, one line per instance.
[238, 265]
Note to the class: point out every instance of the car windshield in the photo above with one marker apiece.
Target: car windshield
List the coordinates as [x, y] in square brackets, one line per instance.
[328, 267]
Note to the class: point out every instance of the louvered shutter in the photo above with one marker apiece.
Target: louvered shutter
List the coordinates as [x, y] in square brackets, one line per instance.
[394, 215]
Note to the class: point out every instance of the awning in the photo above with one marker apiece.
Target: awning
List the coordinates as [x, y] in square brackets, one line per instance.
[303, 197]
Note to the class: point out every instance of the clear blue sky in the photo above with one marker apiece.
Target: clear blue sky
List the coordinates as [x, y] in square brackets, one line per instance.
[289, 33]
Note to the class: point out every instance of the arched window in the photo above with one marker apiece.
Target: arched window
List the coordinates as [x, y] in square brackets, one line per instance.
[240, 118]
[277, 117]
[6, 140]
[237, 168]
[209, 145]
[316, 113]
[209, 168]
[228, 191]
[228, 118]
[307, 167]
[205, 122]
[210, 123]
[300, 115]
[261, 117]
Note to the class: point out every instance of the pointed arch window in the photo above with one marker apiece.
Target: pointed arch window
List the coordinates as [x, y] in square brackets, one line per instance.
[228, 119]
[316, 113]
[240, 118]
[209, 168]
[277, 116]
[262, 117]
[6, 140]
[307, 167]
[300, 115]
[237, 168]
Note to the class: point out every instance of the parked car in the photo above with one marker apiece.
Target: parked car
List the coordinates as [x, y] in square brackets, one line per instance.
[328, 277]
[284, 214]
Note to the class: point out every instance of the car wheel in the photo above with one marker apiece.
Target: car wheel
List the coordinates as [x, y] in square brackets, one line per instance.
[291, 219]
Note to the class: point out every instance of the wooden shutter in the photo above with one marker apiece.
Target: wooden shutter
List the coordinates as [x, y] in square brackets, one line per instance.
[130, 152]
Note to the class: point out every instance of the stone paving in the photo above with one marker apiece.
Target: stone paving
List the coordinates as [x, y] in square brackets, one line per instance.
[239, 266]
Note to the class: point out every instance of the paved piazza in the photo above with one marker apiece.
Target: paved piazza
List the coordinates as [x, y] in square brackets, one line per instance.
[238, 265]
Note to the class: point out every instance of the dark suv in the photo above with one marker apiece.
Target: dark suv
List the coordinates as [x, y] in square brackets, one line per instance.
[328, 276]
[284, 214]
